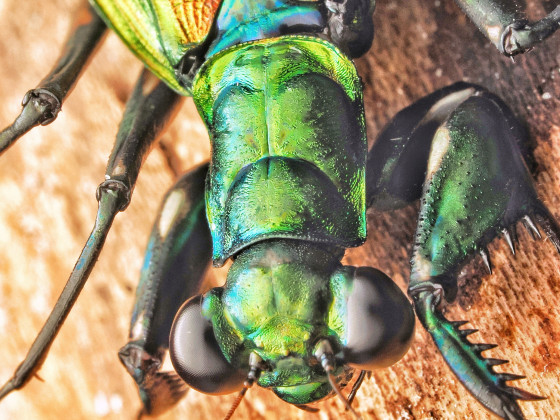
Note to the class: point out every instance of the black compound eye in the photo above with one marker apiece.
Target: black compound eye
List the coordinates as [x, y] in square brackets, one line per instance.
[380, 321]
[196, 355]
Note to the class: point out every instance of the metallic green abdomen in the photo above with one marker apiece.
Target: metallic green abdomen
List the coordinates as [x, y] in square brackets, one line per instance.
[286, 121]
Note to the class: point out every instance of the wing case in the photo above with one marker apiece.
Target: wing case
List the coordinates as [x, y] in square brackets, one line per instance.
[160, 32]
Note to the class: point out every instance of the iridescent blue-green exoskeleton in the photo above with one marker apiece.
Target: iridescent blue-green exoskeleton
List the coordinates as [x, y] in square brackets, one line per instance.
[286, 192]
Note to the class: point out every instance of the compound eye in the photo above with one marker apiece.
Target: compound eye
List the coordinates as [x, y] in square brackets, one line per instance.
[380, 321]
[196, 355]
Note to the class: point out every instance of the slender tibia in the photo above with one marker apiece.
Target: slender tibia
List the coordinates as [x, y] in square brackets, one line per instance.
[42, 104]
[110, 200]
[505, 25]
[136, 135]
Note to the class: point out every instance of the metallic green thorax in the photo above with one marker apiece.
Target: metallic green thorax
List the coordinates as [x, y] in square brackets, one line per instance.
[286, 121]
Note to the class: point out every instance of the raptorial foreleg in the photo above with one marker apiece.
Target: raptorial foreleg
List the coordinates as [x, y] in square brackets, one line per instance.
[458, 150]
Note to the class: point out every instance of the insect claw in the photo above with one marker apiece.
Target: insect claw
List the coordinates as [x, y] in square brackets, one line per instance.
[510, 236]
[486, 258]
[531, 227]
[547, 222]
[520, 394]
[480, 347]
[474, 371]
[458, 324]
[495, 362]
[466, 333]
[510, 377]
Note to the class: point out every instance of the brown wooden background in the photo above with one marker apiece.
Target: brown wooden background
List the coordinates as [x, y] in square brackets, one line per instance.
[47, 207]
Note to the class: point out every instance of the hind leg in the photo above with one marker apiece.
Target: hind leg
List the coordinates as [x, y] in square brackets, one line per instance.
[457, 149]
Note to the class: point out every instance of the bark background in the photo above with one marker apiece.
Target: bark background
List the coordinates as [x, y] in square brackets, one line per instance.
[47, 208]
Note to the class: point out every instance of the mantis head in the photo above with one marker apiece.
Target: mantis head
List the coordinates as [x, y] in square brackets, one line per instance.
[294, 319]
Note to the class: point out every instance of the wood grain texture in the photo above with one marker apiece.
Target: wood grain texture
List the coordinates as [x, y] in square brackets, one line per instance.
[47, 208]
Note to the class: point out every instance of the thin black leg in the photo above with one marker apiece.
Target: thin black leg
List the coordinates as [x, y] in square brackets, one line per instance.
[137, 134]
[505, 24]
[42, 104]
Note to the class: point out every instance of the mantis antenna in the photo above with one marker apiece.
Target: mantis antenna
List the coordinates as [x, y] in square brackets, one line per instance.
[325, 355]
[256, 367]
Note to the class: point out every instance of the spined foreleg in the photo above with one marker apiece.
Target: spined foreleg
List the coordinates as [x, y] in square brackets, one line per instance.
[475, 186]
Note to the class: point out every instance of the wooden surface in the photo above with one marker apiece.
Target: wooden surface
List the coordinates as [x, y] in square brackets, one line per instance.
[47, 208]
